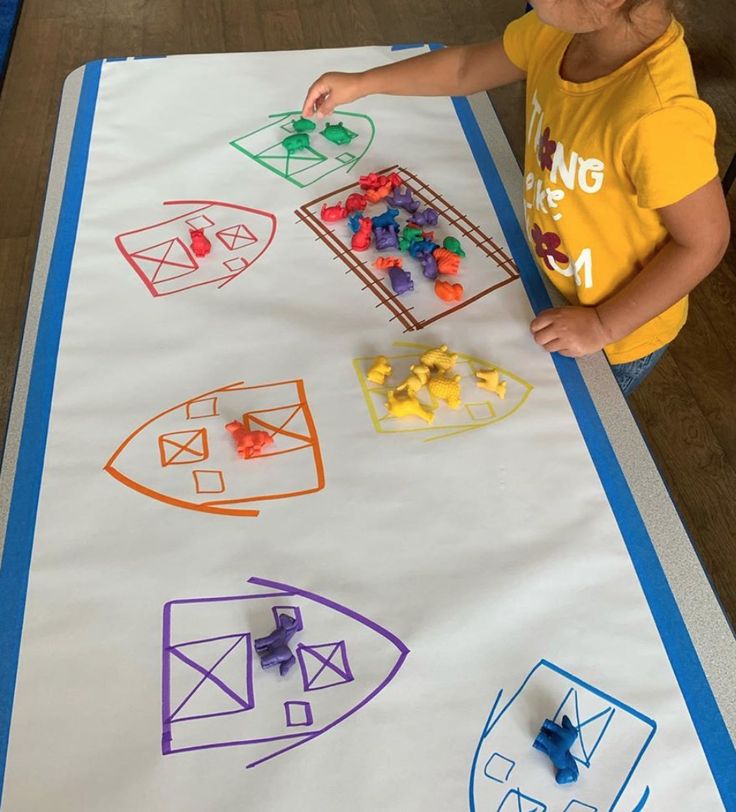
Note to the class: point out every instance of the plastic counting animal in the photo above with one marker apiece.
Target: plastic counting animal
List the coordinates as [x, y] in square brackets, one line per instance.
[447, 291]
[362, 238]
[447, 389]
[249, 443]
[200, 244]
[555, 741]
[274, 649]
[333, 213]
[408, 406]
[379, 371]
[447, 261]
[489, 379]
[440, 359]
[418, 378]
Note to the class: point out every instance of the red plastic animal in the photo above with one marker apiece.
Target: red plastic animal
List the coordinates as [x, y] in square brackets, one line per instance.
[333, 213]
[362, 237]
[200, 244]
[373, 181]
[356, 202]
[249, 443]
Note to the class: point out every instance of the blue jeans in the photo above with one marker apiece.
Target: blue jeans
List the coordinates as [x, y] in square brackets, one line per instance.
[630, 375]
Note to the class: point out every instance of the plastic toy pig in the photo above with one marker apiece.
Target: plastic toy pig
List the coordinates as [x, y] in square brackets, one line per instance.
[249, 443]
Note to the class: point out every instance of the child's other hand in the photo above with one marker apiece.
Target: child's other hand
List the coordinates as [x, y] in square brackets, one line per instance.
[571, 331]
[330, 91]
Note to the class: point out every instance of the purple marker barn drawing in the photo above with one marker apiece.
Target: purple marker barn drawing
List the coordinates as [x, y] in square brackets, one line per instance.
[215, 693]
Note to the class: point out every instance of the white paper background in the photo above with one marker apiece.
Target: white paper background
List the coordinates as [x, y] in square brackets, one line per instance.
[484, 552]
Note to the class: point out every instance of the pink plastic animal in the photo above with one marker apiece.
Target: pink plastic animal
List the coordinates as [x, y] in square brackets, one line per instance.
[249, 443]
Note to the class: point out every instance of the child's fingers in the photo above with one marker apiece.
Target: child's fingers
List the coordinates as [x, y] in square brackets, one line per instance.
[319, 90]
[544, 319]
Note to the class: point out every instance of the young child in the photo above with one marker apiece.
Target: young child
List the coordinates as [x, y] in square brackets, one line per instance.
[624, 210]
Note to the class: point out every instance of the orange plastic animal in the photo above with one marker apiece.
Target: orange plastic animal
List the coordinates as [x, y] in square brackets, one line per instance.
[249, 443]
[447, 291]
[377, 195]
[447, 262]
[384, 263]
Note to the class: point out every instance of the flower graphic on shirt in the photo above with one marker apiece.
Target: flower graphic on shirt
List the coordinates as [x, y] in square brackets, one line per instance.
[546, 244]
[547, 149]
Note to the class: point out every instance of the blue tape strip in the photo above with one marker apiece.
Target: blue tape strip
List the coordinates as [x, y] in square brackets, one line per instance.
[704, 711]
[22, 515]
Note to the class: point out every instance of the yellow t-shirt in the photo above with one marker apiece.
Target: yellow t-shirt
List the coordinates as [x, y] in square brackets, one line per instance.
[601, 158]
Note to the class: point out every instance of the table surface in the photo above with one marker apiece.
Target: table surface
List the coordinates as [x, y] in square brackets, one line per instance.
[694, 598]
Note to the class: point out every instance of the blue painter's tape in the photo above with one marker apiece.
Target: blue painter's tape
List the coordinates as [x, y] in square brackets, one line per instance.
[156, 56]
[407, 46]
[22, 515]
[703, 708]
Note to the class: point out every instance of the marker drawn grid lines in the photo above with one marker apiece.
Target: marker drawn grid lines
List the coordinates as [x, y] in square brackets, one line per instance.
[377, 285]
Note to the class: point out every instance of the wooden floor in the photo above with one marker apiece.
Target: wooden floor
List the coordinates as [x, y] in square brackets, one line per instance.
[687, 409]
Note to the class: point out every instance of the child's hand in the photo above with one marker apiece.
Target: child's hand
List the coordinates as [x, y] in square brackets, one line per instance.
[330, 91]
[571, 331]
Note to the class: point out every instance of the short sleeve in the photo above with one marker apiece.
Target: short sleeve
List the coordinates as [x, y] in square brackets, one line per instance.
[521, 37]
[670, 153]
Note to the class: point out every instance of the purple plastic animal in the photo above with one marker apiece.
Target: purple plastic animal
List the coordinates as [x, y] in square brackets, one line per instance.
[386, 220]
[429, 265]
[274, 649]
[428, 217]
[403, 199]
[401, 280]
[386, 239]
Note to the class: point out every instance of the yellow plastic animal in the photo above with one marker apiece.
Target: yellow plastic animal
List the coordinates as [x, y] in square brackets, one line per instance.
[488, 379]
[440, 359]
[415, 381]
[408, 406]
[447, 389]
[380, 370]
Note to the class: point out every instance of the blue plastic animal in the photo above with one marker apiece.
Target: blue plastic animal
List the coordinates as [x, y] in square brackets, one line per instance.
[386, 220]
[556, 740]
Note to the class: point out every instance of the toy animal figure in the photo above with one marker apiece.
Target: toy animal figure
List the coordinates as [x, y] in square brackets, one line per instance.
[373, 181]
[447, 389]
[386, 220]
[447, 261]
[555, 741]
[429, 266]
[274, 649]
[386, 239]
[200, 244]
[380, 370]
[453, 244]
[394, 180]
[409, 235]
[354, 221]
[440, 359]
[421, 247]
[489, 379]
[338, 133]
[249, 443]
[386, 263]
[408, 407]
[356, 202]
[401, 280]
[295, 143]
[418, 378]
[331, 214]
[428, 217]
[362, 238]
[404, 199]
[447, 291]
[379, 194]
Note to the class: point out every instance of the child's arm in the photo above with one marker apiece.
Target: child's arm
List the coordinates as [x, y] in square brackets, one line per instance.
[699, 230]
[448, 72]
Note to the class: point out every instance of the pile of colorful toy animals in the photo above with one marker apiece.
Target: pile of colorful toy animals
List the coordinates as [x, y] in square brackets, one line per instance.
[385, 234]
[433, 372]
